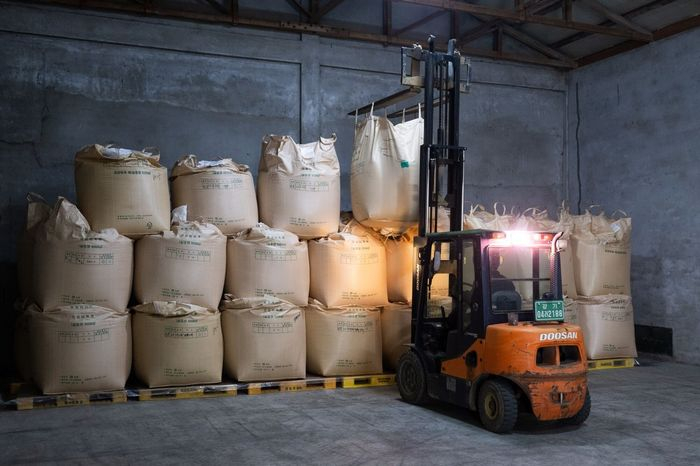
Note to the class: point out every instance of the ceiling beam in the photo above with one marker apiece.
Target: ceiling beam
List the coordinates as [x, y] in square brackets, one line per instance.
[387, 27]
[420, 22]
[480, 30]
[615, 17]
[299, 7]
[325, 9]
[524, 17]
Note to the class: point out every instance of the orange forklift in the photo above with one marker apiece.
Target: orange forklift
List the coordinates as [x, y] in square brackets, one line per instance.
[488, 329]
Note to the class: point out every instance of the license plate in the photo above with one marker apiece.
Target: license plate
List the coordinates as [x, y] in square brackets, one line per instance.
[549, 310]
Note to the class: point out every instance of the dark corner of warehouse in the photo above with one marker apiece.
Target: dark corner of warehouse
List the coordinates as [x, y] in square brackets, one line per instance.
[391, 217]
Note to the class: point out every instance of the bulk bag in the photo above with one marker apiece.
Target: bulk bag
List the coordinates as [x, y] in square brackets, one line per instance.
[347, 268]
[177, 344]
[74, 264]
[299, 186]
[187, 264]
[608, 326]
[79, 348]
[21, 347]
[123, 189]
[264, 339]
[344, 340]
[38, 211]
[601, 254]
[399, 268]
[267, 261]
[220, 192]
[396, 333]
[384, 173]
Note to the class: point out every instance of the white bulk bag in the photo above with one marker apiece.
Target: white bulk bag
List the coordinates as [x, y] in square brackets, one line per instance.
[396, 333]
[267, 261]
[177, 344]
[344, 340]
[384, 174]
[38, 211]
[264, 339]
[399, 268]
[220, 192]
[79, 348]
[187, 264]
[74, 265]
[123, 189]
[299, 186]
[608, 326]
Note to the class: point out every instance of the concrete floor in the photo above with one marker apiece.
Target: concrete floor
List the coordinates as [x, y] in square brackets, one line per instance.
[644, 415]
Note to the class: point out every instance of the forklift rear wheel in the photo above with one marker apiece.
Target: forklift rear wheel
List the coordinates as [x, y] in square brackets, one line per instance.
[411, 379]
[498, 407]
[582, 415]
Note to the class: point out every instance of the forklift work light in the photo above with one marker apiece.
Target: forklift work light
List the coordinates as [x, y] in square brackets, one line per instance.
[520, 238]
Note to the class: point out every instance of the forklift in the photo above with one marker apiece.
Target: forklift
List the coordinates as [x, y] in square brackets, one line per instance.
[496, 341]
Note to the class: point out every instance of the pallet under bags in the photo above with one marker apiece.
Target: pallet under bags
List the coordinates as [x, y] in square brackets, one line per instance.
[177, 344]
[187, 264]
[348, 269]
[221, 192]
[396, 333]
[344, 340]
[266, 261]
[299, 186]
[123, 189]
[264, 339]
[384, 173]
[79, 348]
[608, 326]
[74, 264]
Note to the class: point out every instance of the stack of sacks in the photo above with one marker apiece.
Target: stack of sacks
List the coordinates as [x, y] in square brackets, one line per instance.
[122, 189]
[37, 212]
[76, 337]
[264, 339]
[396, 333]
[384, 176]
[265, 261]
[177, 344]
[220, 192]
[178, 280]
[299, 186]
[343, 340]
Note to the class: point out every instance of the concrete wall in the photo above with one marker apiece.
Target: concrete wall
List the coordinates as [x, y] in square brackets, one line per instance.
[70, 78]
[638, 140]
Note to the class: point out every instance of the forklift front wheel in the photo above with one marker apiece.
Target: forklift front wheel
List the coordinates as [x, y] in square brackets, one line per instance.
[498, 407]
[411, 379]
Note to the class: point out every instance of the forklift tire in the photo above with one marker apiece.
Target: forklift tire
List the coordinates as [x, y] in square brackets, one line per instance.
[412, 379]
[582, 415]
[498, 407]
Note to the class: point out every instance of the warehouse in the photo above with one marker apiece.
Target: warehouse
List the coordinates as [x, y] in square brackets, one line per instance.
[320, 231]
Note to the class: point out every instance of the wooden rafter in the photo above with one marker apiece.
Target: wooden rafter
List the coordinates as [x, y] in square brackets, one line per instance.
[387, 26]
[614, 16]
[299, 7]
[325, 9]
[420, 22]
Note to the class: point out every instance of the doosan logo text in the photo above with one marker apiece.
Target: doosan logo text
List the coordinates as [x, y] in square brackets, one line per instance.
[558, 336]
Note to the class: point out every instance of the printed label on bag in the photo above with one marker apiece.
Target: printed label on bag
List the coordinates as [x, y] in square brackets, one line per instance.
[315, 186]
[359, 259]
[186, 332]
[220, 182]
[272, 327]
[87, 258]
[354, 327]
[191, 255]
[263, 255]
[84, 336]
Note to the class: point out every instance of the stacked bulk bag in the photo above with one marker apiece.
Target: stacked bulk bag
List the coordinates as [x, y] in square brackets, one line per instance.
[264, 339]
[399, 268]
[384, 175]
[266, 261]
[123, 189]
[396, 333]
[82, 347]
[348, 269]
[74, 264]
[177, 344]
[299, 186]
[38, 211]
[343, 340]
[220, 192]
[608, 326]
[22, 348]
[187, 264]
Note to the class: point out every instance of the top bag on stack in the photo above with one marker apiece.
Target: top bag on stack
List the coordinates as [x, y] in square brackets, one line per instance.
[221, 192]
[299, 186]
[122, 189]
[385, 174]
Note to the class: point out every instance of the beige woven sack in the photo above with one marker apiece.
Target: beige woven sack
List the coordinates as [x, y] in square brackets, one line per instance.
[220, 192]
[343, 340]
[21, 346]
[264, 339]
[122, 189]
[396, 333]
[266, 261]
[187, 264]
[384, 173]
[79, 348]
[608, 326]
[38, 211]
[399, 268]
[177, 344]
[75, 265]
[299, 186]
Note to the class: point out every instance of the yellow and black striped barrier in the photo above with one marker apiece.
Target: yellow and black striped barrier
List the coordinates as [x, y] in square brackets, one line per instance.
[24, 399]
[616, 363]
